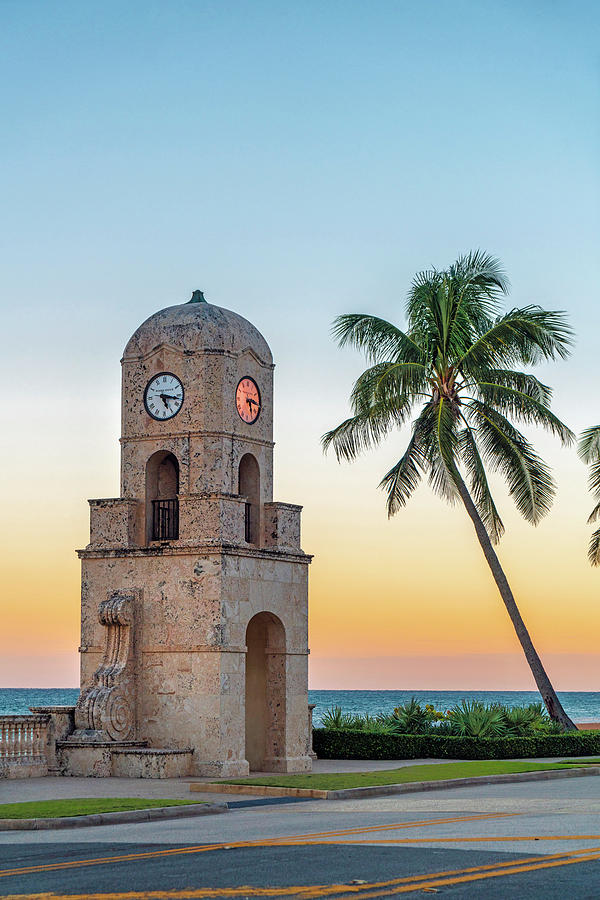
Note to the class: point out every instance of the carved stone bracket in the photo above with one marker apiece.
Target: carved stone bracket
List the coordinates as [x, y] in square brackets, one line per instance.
[106, 710]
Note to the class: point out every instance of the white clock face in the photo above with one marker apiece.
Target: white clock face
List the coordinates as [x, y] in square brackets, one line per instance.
[163, 397]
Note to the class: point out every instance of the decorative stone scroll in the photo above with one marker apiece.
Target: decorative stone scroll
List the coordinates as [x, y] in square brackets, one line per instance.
[106, 710]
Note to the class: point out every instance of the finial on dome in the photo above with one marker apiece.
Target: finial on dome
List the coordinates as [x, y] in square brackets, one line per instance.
[197, 297]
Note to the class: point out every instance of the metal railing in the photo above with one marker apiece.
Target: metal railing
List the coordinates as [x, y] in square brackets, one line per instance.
[165, 520]
[248, 523]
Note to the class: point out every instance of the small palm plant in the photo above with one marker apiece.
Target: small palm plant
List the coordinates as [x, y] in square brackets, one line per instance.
[336, 720]
[523, 720]
[458, 363]
[474, 719]
[412, 718]
[376, 725]
[589, 451]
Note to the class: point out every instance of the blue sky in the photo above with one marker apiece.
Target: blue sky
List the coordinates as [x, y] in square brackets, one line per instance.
[294, 161]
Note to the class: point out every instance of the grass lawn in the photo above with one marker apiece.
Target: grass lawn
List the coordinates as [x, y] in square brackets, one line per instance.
[54, 809]
[431, 772]
[584, 761]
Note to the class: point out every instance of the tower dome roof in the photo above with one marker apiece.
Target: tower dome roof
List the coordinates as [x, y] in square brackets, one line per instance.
[196, 326]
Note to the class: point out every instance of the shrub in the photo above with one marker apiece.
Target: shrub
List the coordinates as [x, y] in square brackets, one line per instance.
[473, 719]
[363, 745]
[411, 718]
[337, 720]
[376, 725]
[466, 719]
[523, 720]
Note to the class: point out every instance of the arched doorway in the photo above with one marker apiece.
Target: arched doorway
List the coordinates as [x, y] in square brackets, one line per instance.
[249, 487]
[265, 691]
[162, 506]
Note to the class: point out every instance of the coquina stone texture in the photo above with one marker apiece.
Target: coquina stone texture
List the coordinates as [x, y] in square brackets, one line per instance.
[194, 627]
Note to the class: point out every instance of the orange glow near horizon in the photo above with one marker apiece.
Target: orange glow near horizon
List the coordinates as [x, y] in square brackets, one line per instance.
[406, 603]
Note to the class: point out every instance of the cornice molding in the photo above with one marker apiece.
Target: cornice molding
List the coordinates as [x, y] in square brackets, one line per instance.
[201, 351]
[204, 549]
[174, 435]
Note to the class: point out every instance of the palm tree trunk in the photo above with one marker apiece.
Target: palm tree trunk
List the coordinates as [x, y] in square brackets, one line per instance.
[553, 704]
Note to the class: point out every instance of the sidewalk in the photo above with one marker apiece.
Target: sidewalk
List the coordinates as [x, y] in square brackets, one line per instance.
[17, 790]
[58, 788]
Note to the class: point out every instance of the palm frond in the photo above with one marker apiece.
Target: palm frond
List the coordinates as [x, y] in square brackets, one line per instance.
[388, 383]
[588, 446]
[480, 489]
[528, 477]
[593, 516]
[522, 336]
[523, 408]
[363, 431]
[422, 309]
[431, 449]
[477, 284]
[442, 456]
[377, 339]
[455, 306]
[481, 269]
[594, 479]
[520, 381]
[402, 480]
[588, 449]
[594, 548]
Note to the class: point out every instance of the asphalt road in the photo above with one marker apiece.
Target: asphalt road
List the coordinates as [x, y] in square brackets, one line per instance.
[496, 841]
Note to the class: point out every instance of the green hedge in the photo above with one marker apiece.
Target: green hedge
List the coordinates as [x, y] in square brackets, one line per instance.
[362, 745]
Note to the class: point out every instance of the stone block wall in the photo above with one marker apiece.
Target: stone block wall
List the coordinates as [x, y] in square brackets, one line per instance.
[113, 522]
[282, 526]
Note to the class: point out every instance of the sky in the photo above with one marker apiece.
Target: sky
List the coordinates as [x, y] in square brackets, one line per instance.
[296, 161]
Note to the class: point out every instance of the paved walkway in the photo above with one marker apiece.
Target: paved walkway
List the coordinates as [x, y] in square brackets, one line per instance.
[57, 788]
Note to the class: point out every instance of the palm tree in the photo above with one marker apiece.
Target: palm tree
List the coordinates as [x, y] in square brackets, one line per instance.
[589, 451]
[457, 362]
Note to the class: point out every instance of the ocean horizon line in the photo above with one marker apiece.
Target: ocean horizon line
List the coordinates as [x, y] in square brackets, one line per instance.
[581, 706]
[403, 690]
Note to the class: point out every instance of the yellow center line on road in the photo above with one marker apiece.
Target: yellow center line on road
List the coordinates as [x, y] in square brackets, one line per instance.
[436, 882]
[392, 887]
[234, 845]
[489, 839]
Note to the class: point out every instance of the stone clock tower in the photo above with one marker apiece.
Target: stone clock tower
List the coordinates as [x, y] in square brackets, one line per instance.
[194, 586]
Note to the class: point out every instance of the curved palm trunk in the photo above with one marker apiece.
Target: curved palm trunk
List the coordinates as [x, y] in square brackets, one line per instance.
[553, 704]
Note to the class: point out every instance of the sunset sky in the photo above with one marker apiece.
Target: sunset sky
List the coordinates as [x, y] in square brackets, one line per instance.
[296, 161]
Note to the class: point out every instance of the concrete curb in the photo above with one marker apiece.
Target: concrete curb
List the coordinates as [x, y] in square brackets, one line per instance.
[385, 790]
[258, 790]
[114, 818]
[448, 783]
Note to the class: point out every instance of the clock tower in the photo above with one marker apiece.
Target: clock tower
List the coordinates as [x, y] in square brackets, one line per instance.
[194, 585]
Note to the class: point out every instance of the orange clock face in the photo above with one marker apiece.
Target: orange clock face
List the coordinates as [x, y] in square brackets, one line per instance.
[247, 400]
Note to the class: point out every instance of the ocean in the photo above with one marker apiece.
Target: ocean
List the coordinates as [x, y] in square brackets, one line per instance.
[581, 706]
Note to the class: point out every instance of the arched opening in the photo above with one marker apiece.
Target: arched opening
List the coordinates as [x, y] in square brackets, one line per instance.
[249, 487]
[265, 692]
[162, 505]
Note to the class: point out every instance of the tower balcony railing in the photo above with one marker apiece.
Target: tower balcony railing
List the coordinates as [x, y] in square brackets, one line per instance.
[248, 523]
[165, 520]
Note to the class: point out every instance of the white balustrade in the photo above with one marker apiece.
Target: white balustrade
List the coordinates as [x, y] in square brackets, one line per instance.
[23, 741]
